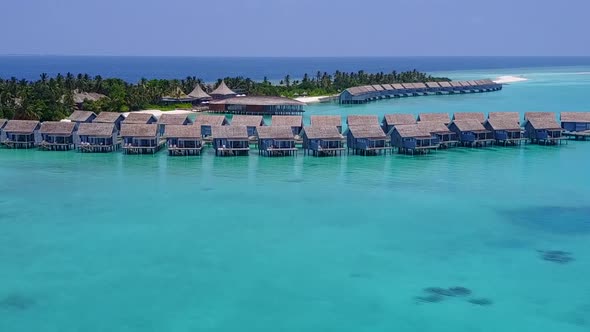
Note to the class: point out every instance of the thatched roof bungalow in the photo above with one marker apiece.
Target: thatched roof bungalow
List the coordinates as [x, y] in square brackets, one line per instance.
[514, 116]
[81, 97]
[98, 137]
[257, 105]
[110, 117]
[183, 140]
[172, 119]
[209, 121]
[446, 137]
[362, 120]
[140, 138]
[366, 139]
[295, 122]
[230, 140]
[140, 118]
[470, 116]
[471, 132]
[530, 115]
[57, 135]
[276, 140]
[177, 96]
[327, 121]
[391, 120]
[322, 141]
[575, 121]
[199, 95]
[251, 122]
[506, 129]
[21, 134]
[543, 130]
[435, 117]
[413, 138]
[82, 117]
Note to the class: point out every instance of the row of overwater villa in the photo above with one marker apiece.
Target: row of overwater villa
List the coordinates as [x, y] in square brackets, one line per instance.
[143, 133]
[366, 93]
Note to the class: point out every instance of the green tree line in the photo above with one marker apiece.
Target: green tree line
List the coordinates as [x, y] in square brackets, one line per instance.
[52, 98]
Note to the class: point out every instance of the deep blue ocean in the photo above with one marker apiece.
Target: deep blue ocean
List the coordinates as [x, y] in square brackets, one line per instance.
[211, 68]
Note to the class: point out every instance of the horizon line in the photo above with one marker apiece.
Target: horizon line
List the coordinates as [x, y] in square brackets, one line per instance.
[291, 56]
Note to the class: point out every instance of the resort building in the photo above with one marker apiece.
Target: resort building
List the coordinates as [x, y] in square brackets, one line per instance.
[140, 118]
[276, 140]
[140, 138]
[177, 96]
[413, 138]
[470, 116]
[506, 130]
[231, 140]
[81, 117]
[433, 87]
[98, 137]
[327, 121]
[172, 119]
[366, 139]
[3, 123]
[222, 92]
[445, 87]
[362, 120]
[183, 140]
[295, 122]
[543, 130]
[514, 116]
[392, 120]
[199, 96]
[471, 133]
[446, 137]
[81, 97]
[575, 121]
[435, 117]
[209, 121]
[257, 105]
[110, 117]
[251, 122]
[322, 141]
[21, 134]
[57, 136]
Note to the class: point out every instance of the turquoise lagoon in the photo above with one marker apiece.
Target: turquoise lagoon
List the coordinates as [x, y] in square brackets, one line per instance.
[153, 243]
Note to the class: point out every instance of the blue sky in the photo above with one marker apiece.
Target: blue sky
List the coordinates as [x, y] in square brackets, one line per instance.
[294, 27]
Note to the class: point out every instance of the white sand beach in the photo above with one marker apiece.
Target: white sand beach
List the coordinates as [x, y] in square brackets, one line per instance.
[158, 113]
[509, 79]
[313, 100]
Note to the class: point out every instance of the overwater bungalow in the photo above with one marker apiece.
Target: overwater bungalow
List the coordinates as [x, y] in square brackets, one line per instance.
[457, 87]
[110, 117]
[392, 120]
[543, 130]
[231, 140]
[506, 130]
[530, 115]
[575, 121]
[400, 91]
[257, 105]
[471, 133]
[436, 117]
[366, 139]
[446, 137]
[199, 95]
[141, 138]
[409, 89]
[57, 136]
[295, 122]
[21, 134]
[514, 116]
[98, 137]
[252, 123]
[470, 116]
[276, 140]
[421, 88]
[3, 123]
[172, 119]
[362, 120]
[326, 121]
[209, 121]
[433, 87]
[140, 118]
[82, 117]
[445, 87]
[222, 92]
[412, 138]
[183, 140]
[322, 141]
